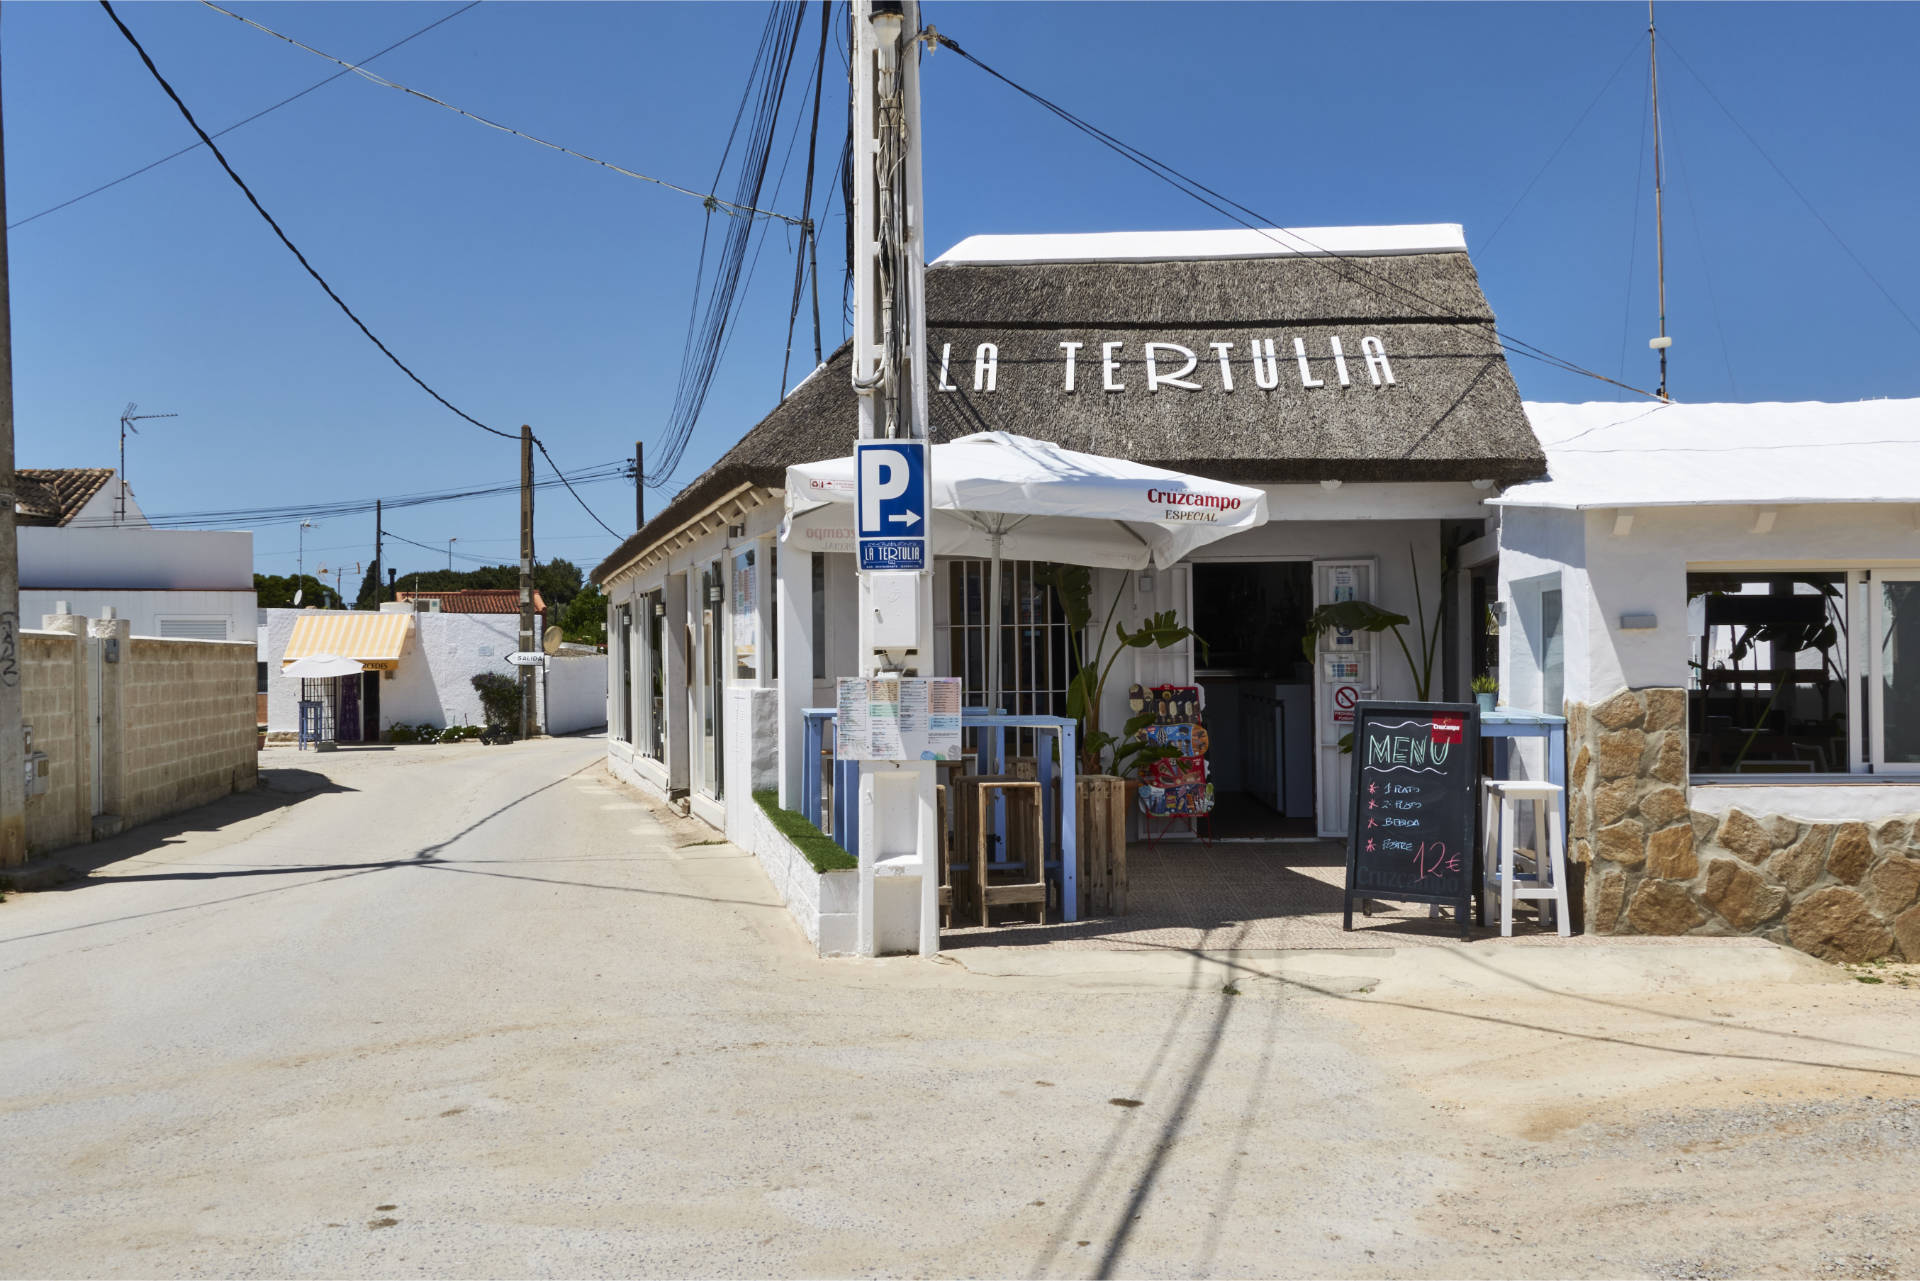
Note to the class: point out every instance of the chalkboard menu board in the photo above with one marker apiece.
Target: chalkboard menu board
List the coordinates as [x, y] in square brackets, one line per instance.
[1416, 776]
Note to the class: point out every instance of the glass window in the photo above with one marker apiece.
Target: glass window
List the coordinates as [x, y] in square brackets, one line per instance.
[1035, 661]
[819, 583]
[745, 616]
[623, 715]
[1896, 658]
[1553, 660]
[654, 605]
[1768, 687]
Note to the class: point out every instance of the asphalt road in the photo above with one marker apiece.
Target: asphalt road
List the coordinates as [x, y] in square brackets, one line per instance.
[464, 1011]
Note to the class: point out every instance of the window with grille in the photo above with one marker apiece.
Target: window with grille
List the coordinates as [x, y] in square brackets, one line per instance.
[1035, 659]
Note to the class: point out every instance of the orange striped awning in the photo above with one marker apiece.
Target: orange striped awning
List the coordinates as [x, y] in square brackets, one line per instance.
[374, 640]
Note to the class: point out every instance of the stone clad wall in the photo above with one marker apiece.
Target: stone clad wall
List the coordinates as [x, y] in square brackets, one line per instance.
[1841, 891]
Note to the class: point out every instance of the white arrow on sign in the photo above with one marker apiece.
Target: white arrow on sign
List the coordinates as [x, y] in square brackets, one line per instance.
[527, 658]
[905, 518]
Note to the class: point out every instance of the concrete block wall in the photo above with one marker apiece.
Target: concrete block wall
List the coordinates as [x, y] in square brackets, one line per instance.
[176, 724]
[54, 703]
[189, 724]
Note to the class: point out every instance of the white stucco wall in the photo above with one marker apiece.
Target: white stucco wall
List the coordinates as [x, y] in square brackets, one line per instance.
[576, 693]
[434, 682]
[56, 558]
[1644, 571]
[146, 610]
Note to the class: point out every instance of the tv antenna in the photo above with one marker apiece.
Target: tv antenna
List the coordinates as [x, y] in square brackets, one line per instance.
[128, 417]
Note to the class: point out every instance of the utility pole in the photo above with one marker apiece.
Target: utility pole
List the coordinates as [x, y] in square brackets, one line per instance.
[639, 485]
[896, 798]
[1663, 342]
[379, 532]
[527, 645]
[13, 750]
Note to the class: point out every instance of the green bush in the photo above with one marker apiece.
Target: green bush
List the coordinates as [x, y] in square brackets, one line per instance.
[500, 696]
[403, 733]
[816, 846]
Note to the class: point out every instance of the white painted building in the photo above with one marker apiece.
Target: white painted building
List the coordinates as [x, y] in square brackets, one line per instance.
[79, 546]
[419, 669]
[1755, 570]
[1377, 418]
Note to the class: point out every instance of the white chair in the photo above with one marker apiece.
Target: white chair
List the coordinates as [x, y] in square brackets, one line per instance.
[1543, 880]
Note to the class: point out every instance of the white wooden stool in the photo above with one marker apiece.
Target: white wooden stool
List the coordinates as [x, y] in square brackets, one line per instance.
[1545, 879]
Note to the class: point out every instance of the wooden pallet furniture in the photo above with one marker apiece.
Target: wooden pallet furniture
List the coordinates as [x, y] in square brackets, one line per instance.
[1101, 825]
[1019, 876]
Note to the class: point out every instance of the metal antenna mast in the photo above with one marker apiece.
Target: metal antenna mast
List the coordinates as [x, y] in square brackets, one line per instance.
[1663, 342]
[127, 420]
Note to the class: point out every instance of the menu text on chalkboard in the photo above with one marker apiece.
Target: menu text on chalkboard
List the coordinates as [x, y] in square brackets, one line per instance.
[1416, 774]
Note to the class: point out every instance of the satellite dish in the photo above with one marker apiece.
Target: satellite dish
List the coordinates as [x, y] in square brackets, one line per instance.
[297, 595]
[550, 641]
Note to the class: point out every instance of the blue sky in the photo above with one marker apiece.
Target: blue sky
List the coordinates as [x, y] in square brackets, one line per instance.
[530, 287]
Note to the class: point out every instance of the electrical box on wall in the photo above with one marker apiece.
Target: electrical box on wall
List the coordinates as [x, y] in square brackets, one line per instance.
[894, 599]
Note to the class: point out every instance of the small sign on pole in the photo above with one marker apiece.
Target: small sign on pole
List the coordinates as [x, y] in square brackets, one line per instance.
[891, 503]
[527, 658]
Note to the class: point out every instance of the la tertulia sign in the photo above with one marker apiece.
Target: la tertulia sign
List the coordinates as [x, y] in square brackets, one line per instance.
[1112, 366]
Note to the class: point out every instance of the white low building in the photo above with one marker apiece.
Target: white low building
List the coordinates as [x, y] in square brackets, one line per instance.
[84, 542]
[417, 669]
[1725, 599]
[1367, 396]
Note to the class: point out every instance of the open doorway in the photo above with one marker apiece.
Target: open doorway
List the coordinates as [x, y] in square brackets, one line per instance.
[1259, 696]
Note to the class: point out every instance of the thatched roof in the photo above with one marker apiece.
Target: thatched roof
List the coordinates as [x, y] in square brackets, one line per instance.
[1451, 412]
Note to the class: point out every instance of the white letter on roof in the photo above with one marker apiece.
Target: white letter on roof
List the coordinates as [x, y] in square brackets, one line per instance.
[1339, 362]
[1265, 376]
[1376, 353]
[986, 367]
[1306, 375]
[1225, 350]
[946, 354]
[1178, 378]
[1070, 348]
[1109, 366]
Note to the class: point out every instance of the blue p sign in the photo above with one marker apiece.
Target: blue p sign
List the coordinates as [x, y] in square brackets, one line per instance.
[891, 503]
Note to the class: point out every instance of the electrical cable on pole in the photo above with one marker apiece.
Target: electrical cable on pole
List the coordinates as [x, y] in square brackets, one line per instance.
[1365, 276]
[221, 133]
[291, 247]
[712, 202]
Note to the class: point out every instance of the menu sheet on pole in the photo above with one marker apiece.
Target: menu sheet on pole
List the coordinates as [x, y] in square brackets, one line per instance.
[1416, 771]
[898, 718]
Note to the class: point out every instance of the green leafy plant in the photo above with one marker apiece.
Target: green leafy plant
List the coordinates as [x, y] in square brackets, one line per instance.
[500, 698]
[1484, 683]
[1100, 752]
[1365, 616]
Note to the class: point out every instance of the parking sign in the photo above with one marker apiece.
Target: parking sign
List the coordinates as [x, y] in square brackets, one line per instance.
[891, 503]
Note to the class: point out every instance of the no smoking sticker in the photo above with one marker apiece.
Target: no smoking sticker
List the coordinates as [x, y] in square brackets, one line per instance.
[1344, 697]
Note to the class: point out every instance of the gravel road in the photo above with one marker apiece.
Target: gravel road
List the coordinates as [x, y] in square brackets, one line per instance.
[465, 1011]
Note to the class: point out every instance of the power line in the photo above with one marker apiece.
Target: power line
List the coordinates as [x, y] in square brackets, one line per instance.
[541, 446]
[289, 514]
[710, 316]
[1632, 48]
[1782, 174]
[292, 248]
[318, 84]
[1258, 223]
[709, 200]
